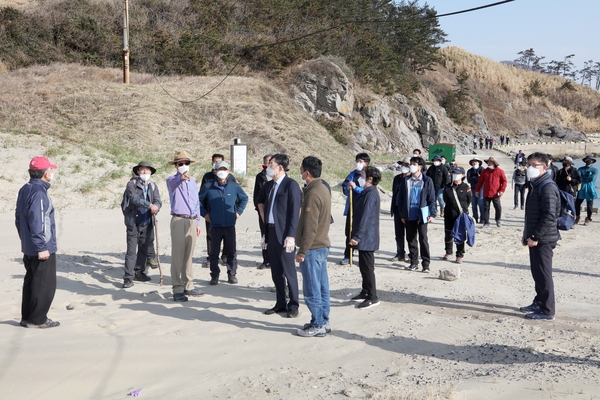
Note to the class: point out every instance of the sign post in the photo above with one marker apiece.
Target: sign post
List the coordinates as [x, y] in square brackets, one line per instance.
[239, 157]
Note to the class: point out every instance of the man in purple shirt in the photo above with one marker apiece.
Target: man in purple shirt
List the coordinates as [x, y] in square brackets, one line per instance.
[185, 226]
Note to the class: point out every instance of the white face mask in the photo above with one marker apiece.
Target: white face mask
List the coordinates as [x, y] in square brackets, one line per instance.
[183, 169]
[405, 170]
[456, 177]
[302, 179]
[436, 163]
[222, 174]
[491, 166]
[361, 182]
[145, 177]
[475, 165]
[413, 169]
[270, 172]
[533, 172]
[359, 166]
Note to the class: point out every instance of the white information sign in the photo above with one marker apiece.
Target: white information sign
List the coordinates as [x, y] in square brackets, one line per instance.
[239, 158]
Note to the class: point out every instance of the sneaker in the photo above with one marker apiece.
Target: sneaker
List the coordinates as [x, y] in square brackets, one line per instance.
[127, 283]
[48, 324]
[345, 261]
[194, 292]
[359, 297]
[498, 223]
[486, 226]
[312, 331]
[368, 304]
[394, 259]
[232, 279]
[264, 266]
[458, 260]
[180, 297]
[447, 257]
[540, 316]
[426, 270]
[141, 277]
[151, 262]
[532, 308]
[412, 268]
[327, 326]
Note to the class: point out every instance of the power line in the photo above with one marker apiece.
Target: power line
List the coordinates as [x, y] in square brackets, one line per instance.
[246, 50]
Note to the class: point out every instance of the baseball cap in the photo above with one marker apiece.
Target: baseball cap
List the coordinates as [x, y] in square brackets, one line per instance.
[40, 163]
[221, 164]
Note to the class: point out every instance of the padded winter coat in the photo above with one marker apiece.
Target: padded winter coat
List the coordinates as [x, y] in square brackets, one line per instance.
[541, 212]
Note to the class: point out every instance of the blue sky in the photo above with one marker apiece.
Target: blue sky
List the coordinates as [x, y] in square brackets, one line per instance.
[553, 28]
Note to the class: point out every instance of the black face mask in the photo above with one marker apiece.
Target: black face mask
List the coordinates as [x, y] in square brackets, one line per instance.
[588, 163]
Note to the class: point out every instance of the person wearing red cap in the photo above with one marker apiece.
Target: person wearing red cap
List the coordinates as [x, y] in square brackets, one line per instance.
[34, 218]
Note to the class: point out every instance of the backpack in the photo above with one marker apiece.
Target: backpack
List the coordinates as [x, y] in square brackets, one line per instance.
[566, 219]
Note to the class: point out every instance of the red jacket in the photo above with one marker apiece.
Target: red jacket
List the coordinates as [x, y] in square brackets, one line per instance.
[493, 182]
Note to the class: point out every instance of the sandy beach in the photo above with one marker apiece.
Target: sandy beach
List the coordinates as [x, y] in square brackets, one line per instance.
[429, 339]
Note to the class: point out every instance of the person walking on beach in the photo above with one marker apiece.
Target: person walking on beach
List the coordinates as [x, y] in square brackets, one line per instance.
[493, 181]
[312, 239]
[365, 237]
[141, 203]
[476, 197]
[259, 182]
[519, 184]
[399, 228]
[587, 192]
[480, 142]
[185, 226]
[540, 235]
[34, 219]
[457, 195]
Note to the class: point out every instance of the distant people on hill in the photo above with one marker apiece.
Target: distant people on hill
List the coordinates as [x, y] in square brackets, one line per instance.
[480, 142]
[507, 139]
[491, 143]
[568, 178]
[502, 140]
[519, 184]
[476, 197]
[475, 143]
[493, 181]
[588, 188]
[487, 142]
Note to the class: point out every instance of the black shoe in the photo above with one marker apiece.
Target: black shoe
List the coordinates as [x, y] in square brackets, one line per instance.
[214, 279]
[412, 268]
[23, 323]
[368, 304]
[274, 310]
[293, 314]
[232, 279]
[141, 277]
[180, 297]
[264, 266]
[127, 283]
[359, 297]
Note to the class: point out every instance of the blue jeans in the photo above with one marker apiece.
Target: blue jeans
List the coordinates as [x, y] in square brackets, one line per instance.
[440, 198]
[315, 284]
[477, 204]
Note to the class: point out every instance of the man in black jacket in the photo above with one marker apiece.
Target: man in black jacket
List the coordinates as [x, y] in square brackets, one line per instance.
[540, 235]
[473, 178]
[568, 178]
[399, 228]
[259, 182]
[438, 172]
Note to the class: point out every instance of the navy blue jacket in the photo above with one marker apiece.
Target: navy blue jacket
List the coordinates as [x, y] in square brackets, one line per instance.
[427, 197]
[286, 209]
[365, 223]
[222, 204]
[34, 218]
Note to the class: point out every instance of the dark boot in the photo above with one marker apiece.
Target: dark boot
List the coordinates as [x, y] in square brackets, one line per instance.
[214, 279]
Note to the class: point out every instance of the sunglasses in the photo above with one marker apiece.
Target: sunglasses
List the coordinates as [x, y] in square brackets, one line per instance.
[181, 164]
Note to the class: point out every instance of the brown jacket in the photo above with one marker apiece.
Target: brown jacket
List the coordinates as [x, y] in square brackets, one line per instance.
[315, 216]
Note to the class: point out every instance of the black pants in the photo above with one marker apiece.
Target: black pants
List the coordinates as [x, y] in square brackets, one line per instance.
[520, 194]
[412, 229]
[225, 234]
[283, 267]
[140, 247]
[265, 253]
[486, 209]
[39, 287]
[208, 240]
[366, 264]
[449, 242]
[589, 205]
[348, 248]
[540, 258]
[400, 236]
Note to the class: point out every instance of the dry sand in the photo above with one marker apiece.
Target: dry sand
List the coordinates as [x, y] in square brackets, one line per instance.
[428, 338]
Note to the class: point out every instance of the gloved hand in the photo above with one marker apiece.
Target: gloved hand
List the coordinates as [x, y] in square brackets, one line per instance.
[289, 244]
[263, 244]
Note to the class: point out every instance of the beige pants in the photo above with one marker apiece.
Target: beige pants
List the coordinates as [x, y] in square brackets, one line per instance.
[183, 241]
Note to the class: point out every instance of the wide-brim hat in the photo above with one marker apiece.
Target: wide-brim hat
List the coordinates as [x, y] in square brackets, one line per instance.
[181, 156]
[493, 160]
[144, 164]
[473, 160]
[405, 160]
[588, 157]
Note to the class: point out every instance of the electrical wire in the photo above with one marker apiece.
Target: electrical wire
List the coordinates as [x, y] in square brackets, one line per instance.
[247, 50]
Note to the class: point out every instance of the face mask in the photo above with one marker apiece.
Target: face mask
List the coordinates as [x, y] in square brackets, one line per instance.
[456, 177]
[302, 179]
[413, 169]
[533, 172]
[183, 169]
[437, 163]
[145, 177]
[359, 166]
[416, 155]
[222, 174]
[491, 166]
[588, 163]
[475, 165]
[270, 172]
[361, 181]
[405, 170]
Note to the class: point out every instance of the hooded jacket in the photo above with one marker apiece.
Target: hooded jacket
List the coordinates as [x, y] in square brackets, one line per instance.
[34, 218]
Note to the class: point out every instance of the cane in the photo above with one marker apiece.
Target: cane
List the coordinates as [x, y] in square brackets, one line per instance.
[351, 220]
[157, 249]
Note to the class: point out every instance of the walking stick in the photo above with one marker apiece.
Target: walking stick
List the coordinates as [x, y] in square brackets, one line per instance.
[157, 249]
[351, 220]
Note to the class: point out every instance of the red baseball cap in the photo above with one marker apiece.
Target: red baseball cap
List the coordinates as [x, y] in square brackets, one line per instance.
[40, 163]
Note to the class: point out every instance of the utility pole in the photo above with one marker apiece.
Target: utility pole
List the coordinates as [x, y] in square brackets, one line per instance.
[126, 41]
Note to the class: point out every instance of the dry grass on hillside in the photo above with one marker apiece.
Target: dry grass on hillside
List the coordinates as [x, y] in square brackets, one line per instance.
[500, 90]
